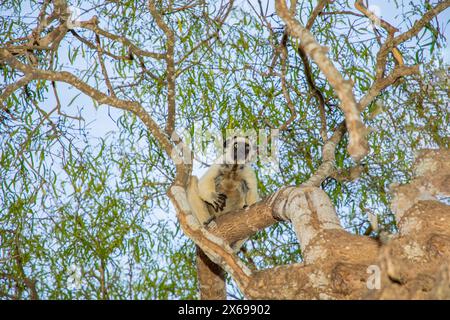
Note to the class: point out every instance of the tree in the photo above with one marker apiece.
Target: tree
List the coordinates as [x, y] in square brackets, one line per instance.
[86, 212]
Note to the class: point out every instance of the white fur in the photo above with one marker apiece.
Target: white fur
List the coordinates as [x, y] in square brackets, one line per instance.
[230, 176]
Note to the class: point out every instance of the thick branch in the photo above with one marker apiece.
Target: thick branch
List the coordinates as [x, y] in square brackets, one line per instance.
[384, 24]
[359, 4]
[382, 83]
[214, 247]
[392, 42]
[300, 205]
[211, 278]
[327, 166]
[344, 88]
[317, 11]
[419, 24]
[99, 96]
[10, 89]
[257, 217]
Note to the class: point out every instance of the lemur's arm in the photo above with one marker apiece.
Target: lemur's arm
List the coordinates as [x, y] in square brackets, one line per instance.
[250, 178]
[207, 184]
[207, 188]
[198, 206]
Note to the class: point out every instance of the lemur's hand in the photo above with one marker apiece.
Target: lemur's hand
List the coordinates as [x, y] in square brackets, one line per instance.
[217, 201]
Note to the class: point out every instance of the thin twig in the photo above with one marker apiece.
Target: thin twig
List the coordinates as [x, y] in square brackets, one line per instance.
[58, 104]
[287, 96]
[170, 62]
[102, 65]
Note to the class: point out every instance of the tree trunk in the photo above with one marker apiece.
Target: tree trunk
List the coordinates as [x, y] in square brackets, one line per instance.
[211, 278]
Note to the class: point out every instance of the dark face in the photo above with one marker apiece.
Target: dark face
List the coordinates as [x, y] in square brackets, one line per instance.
[240, 151]
[240, 148]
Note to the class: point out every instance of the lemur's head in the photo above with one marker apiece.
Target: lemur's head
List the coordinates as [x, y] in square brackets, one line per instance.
[238, 150]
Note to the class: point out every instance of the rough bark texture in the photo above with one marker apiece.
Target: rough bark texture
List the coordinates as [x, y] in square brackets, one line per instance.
[416, 262]
[211, 278]
[413, 264]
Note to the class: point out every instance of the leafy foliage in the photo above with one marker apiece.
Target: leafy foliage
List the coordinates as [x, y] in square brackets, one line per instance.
[83, 209]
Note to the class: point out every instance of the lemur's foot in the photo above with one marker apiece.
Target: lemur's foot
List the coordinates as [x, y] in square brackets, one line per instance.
[207, 222]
